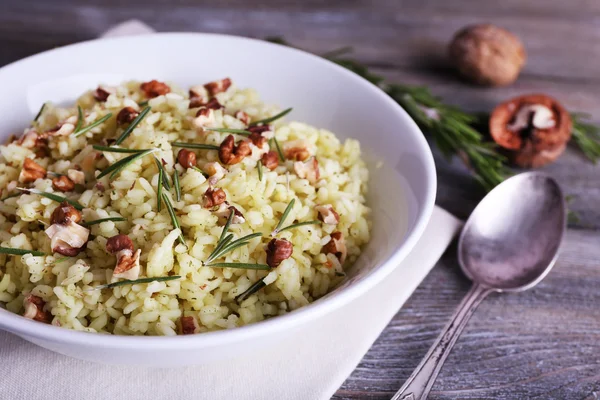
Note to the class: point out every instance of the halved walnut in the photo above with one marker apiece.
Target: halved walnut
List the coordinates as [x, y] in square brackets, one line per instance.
[277, 251]
[216, 87]
[34, 309]
[128, 262]
[63, 183]
[189, 325]
[308, 170]
[215, 171]
[270, 160]
[336, 246]
[297, 150]
[66, 236]
[225, 210]
[31, 171]
[155, 88]
[230, 154]
[213, 198]
[327, 214]
[102, 92]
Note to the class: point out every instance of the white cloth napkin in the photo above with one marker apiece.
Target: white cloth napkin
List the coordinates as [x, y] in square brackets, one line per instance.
[310, 364]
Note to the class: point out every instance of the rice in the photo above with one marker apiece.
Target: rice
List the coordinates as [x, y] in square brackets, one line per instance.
[203, 298]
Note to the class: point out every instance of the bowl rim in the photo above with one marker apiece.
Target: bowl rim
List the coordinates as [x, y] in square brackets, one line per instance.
[21, 326]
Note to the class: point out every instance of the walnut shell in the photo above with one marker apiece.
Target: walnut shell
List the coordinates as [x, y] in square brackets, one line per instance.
[487, 55]
[533, 129]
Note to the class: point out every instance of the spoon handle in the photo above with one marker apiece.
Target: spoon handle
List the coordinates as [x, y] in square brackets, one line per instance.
[419, 384]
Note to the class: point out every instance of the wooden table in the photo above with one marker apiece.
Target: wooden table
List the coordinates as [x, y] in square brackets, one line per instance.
[542, 344]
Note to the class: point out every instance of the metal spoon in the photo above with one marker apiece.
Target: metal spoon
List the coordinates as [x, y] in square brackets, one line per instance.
[509, 244]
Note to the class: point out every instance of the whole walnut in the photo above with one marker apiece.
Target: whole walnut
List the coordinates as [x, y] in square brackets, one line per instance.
[487, 55]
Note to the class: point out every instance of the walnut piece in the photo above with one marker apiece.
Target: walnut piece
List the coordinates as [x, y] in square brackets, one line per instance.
[265, 131]
[308, 170]
[257, 139]
[213, 198]
[215, 171]
[297, 150]
[31, 171]
[487, 55]
[127, 115]
[277, 251]
[32, 139]
[205, 117]
[186, 158]
[128, 262]
[189, 325]
[230, 154]
[213, 104]
[66, 236]
[102, 92]
[270, 160]
[327, 214]
[225, 211]
[118, 243]
[242, 116]
[63, 184]
[34, 309]
[154, 88]
[65, 213]
[336, 246]
[198, 96]
[216, 87]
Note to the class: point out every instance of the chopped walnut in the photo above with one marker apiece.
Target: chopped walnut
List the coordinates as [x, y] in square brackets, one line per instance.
[336, 246]
[198, 96]
[213, 198]
[205, 117]
[270, 160]
[297, 150]
[327, 214]
[308, 170]
[225, 211]
[66, 236]
[128, 262]
[215, 171]
[218, 86]
[154, 88]
[257, 139]
[242, 116]
[31, 139]
[63, 184]
[102, 92]
[265, 131]
[186, 158]
[63, 129]
[230, 154]
[78, 177]
[277, 251]
[214, 104]
[31, 171]
[189, 326]
[34, 309]
[127, 115]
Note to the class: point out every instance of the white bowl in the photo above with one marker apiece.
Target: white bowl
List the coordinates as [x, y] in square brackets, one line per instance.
[402, 181]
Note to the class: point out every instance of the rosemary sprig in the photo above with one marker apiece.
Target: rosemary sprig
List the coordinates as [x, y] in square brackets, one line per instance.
[117, 149]
[586, 136]
[176, 184]
[91, 126]
[261, 267]
[53, 196]
[173, 216]
[226, 227]
[20, 252]
[159, 189]
[123, 163]
[101, 220]
[165, 177]
[260, 171]
[133, 282]
[292, 226]
[279, 152]
[39, 114]
[79, 119]
[220, 251]
[133, 124]
[143, 103]
[195, 146]
[250, 291]
[228, 130]
[273, 118]
[285, 214]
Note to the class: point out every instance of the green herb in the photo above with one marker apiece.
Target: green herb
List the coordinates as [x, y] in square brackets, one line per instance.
[164, 179]
[260, 172]
[91, 126]
[159, 190]
[173, 216]
[250, 291]
[101, 220]
[176, 184]
[123, 163]
[226, 227]
[195, 146]
[143, 103]
[132, 126]
[274, 140]
[133, 282]
[220, 251]
[285, 214]
[39, 114]
[20, 252]
[10, 196]
[273, 118]
[586, 136]
[299, 224]
[79, 118]
[61, 259]
[227, 130]
[53, 196]
[262, 267]
[117, 149]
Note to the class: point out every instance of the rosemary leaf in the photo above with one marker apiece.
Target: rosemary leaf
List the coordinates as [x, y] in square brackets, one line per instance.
[79, 119]
[133, 124]
[164, 179]
[260, 171]
[60, 260]
[143, 103]
[91, 126]
[117, 149]
[273, 118]
[101, 220]
[219, 247]
[232, 246]
[173, 216]
[159, 188]
[226, 226]
[263, 267]
[53, 196]
[586, 136]
[39, 114]
[133, 282]
[250, 291]
[228, 130]
[195, 146]
[285, 214]
[124, 162]
[274, 140]
[299, 224]
[176, 184]
[20, 252]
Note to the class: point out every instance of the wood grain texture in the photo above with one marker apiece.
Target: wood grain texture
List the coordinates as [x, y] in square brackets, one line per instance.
[542, 344]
